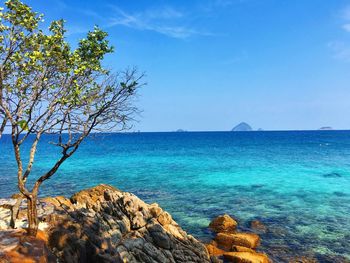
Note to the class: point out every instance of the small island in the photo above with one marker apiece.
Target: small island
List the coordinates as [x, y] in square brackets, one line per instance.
[180, 130]
[243, 126]
[326, 128]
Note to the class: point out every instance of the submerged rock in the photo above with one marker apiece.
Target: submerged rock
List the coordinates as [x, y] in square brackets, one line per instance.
[258, 226]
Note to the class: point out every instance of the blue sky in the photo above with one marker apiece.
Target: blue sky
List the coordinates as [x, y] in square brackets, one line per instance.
[210, 64]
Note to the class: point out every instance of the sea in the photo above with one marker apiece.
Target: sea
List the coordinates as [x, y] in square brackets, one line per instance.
[297, 183]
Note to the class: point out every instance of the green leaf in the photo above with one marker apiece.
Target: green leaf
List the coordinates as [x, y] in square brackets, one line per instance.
[23, 124]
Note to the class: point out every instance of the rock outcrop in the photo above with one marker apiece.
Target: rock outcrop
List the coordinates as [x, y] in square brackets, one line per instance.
[103, 224]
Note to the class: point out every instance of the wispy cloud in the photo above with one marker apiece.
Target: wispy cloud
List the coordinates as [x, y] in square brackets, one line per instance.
[340, 49]
[345, 17]
[346, 27]
[166, 21]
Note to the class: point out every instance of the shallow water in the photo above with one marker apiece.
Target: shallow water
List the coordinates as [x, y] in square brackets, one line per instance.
[297, 183]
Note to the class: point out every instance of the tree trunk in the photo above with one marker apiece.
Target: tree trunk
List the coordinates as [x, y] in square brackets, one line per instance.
[15, 211]
[33, 222]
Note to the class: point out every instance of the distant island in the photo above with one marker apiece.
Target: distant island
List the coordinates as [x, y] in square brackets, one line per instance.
[243, 126]
[326, 128]
[180, 130]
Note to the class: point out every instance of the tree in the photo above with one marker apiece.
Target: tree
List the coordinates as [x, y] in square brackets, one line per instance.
[3, 121]
[48, 88]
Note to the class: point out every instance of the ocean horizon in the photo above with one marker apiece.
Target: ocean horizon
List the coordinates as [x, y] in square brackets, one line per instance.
[295, 182]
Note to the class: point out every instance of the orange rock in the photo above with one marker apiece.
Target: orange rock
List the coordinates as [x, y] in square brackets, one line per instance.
[17, 247]
[91, 195]
[214, 251]
[164, 218]
[51, 200]
[246, 257]
[227, 241]
[42, 235]
[241, 249]
[64, 201]
[223, 223]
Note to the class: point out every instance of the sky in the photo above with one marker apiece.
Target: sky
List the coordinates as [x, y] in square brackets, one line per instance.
[210, 64]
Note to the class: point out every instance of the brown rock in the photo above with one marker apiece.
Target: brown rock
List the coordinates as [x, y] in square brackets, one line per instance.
[65, 202]
[214, 251]
[17, 195]
[223, 223]
[155, 209]
[165, 218]
[90, 196]
[227, 241]
[107, 225]
[241, 249]
[51, 200]
[246, 257]
[17, 247]
[103, 224]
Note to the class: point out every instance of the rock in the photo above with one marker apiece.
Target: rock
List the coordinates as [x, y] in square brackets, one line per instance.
[104, 224]
[241, 249]
[223, 223]
[214, 251]
[164, 218]
[155, 209]
[246, 257]
[7, 203]
[16, 246]
[258, 226]
[227, 241]
[215, 259]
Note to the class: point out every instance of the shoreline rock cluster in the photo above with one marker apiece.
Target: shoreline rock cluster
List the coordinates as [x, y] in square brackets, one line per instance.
[234, 246]
[104, 224]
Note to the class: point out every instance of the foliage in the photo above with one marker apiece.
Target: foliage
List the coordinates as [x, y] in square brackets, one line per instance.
[48, 87]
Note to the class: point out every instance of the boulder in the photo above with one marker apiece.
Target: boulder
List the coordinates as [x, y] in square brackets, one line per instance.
[214, 251]
[223, 223]
[241, 249]
[104, 224]
[246, 257]
[228, 240]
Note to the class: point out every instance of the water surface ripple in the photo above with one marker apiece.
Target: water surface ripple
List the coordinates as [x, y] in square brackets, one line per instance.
[297, 183]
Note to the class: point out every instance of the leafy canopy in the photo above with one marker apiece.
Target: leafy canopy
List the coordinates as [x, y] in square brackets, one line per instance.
[40, 70]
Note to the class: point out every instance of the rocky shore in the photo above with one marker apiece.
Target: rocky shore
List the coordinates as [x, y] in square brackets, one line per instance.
[104, 224]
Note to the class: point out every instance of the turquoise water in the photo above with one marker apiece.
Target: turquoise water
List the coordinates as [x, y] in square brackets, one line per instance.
[297, 183]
